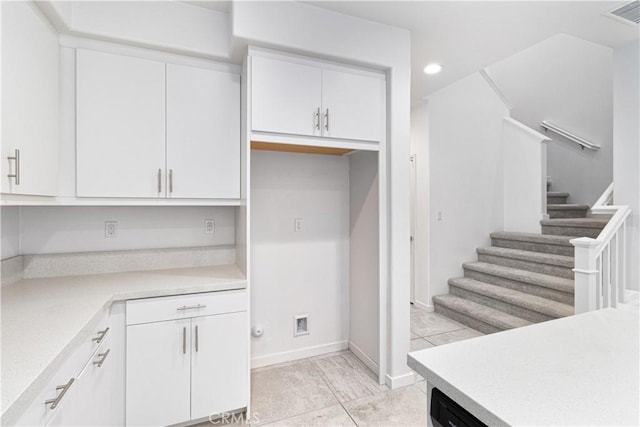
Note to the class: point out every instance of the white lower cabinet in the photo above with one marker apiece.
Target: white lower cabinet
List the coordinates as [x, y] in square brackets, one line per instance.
[190, 367]
[158, 367]
[219, 364]
[88, 388]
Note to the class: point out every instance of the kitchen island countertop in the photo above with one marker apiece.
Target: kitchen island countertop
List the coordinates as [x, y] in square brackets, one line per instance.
[578, 370]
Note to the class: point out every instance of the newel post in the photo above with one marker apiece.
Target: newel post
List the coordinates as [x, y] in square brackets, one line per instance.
[585, 274]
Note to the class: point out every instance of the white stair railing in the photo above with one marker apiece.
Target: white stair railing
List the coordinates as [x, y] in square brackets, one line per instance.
[601, 263]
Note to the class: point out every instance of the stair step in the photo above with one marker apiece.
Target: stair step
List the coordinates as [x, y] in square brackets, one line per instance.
[567, 210]
[558, 245]
[476, 316]
[542, 285]
[579, 227]
[550, 264]
[520, 304]
[556, 197]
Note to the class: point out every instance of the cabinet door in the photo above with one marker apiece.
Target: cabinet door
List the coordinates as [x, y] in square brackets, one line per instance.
[203, 133]
[355, 106]
[30, 56]
[97, 388]
[285, 97]
[66, 414]
[120, 124]
[219, 373]
[158, 367]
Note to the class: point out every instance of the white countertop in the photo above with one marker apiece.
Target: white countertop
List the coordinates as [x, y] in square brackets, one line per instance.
[580, 370]
[43, 318]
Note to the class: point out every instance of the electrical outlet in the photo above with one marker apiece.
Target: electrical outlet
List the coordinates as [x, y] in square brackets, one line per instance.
[110, 229]
[301, 325]
[298, 224]
[209, 226]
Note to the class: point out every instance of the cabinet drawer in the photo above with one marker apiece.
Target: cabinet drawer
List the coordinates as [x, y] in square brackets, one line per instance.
[39, 414]
[185, 306]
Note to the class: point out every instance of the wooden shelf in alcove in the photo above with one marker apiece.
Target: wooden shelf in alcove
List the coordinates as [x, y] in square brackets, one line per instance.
[292, 148]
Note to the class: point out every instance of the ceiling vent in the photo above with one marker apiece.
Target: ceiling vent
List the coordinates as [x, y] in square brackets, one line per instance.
[629, 13]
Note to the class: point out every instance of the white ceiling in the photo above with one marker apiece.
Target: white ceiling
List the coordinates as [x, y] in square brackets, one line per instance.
[466, 36]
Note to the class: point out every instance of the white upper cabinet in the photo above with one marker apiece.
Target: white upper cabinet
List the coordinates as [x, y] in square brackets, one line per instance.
[352, 106]
[30, 78]
[203, 133]
[120, 125]
[285, 97]
[315, 99]
[146, 129]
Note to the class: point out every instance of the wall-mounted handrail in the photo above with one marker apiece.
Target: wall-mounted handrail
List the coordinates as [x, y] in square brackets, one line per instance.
[600, 263]
[570, 136]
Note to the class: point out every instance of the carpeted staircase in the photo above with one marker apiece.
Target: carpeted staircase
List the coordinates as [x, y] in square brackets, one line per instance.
[522, 278]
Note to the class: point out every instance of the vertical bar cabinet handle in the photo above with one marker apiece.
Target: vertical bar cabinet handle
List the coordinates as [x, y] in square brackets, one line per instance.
[326, 120]
[16, 174]
[159, 180]
[184, 340]
[170, 180]
[196, 338]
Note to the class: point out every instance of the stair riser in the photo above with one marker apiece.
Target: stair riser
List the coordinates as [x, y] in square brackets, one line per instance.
[533, 247]
[557, 200]
[563, 230]
[465, 320]
[551, 270]
[567, 213]
[514, 310]
[528, 288]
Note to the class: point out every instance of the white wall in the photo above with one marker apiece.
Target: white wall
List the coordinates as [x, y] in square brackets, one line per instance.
[524, 162]
[303, 272]
[567, 81]
[465, 175]
[626, 147]
[420, 149]
[10, 232]
[305, 28]
[364, 257]
[45, 230]
[193, 29]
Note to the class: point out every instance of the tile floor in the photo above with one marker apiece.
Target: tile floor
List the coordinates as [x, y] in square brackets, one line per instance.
[337, 389]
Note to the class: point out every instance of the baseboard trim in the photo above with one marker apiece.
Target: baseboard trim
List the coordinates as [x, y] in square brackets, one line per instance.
[302, 353]
[403, 380]
[369, 362]
[423, 306]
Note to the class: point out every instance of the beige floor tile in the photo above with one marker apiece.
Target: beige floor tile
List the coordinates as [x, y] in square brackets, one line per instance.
[348, 377]
[449, 337]
[334, 416]
[424, 324]
[420, 344]
[414, 336]
[422, 386]
[401, 407]
[286, 391]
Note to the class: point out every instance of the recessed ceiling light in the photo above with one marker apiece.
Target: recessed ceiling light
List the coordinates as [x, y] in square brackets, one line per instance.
[432, 69]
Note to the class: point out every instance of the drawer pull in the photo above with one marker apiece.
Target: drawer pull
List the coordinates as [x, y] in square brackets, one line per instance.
[103, 357]
[101, 335]
[55, 402]
[191, 307]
